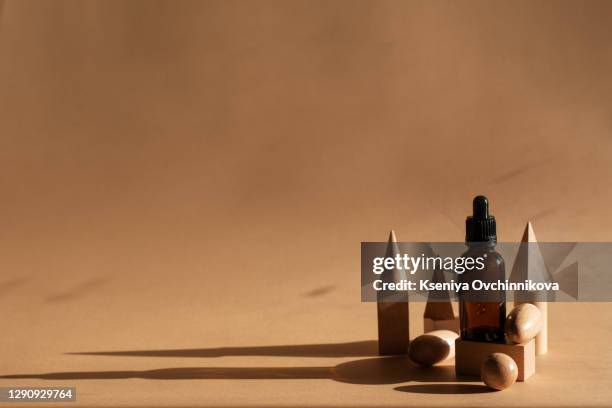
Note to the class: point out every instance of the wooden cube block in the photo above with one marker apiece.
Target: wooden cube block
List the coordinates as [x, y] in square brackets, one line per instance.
[445, 324]
[469, 356]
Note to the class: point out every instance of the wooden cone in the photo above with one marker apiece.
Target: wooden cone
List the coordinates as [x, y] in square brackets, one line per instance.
[439, 306]
[439, 313]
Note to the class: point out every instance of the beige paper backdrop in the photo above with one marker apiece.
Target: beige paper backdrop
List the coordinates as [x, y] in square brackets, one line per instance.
[200, 173]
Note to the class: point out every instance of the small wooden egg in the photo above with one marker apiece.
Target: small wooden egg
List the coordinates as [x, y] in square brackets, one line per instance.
[499, 371]
[523, 323]
[433, 347]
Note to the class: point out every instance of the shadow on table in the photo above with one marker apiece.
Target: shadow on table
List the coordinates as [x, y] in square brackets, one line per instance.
[364, 348]
[382, 370]
[444, 388]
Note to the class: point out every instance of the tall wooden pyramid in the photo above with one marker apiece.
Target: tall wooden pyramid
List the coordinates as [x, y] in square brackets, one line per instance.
[393, 310]
[529, 264]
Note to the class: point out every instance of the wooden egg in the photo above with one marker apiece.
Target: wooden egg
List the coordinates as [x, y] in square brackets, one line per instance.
[499, 371]
[523, 323]
[433, 347]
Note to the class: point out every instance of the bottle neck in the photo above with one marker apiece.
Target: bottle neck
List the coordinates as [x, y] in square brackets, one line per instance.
[490, 244]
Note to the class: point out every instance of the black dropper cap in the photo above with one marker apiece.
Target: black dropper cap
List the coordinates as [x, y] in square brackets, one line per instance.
[480, 227]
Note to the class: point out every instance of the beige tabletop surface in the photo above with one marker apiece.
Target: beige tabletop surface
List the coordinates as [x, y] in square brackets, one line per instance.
[185, 186]
[177, 343]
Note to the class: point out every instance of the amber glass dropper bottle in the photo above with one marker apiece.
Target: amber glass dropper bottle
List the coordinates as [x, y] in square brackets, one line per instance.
[482, 314]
